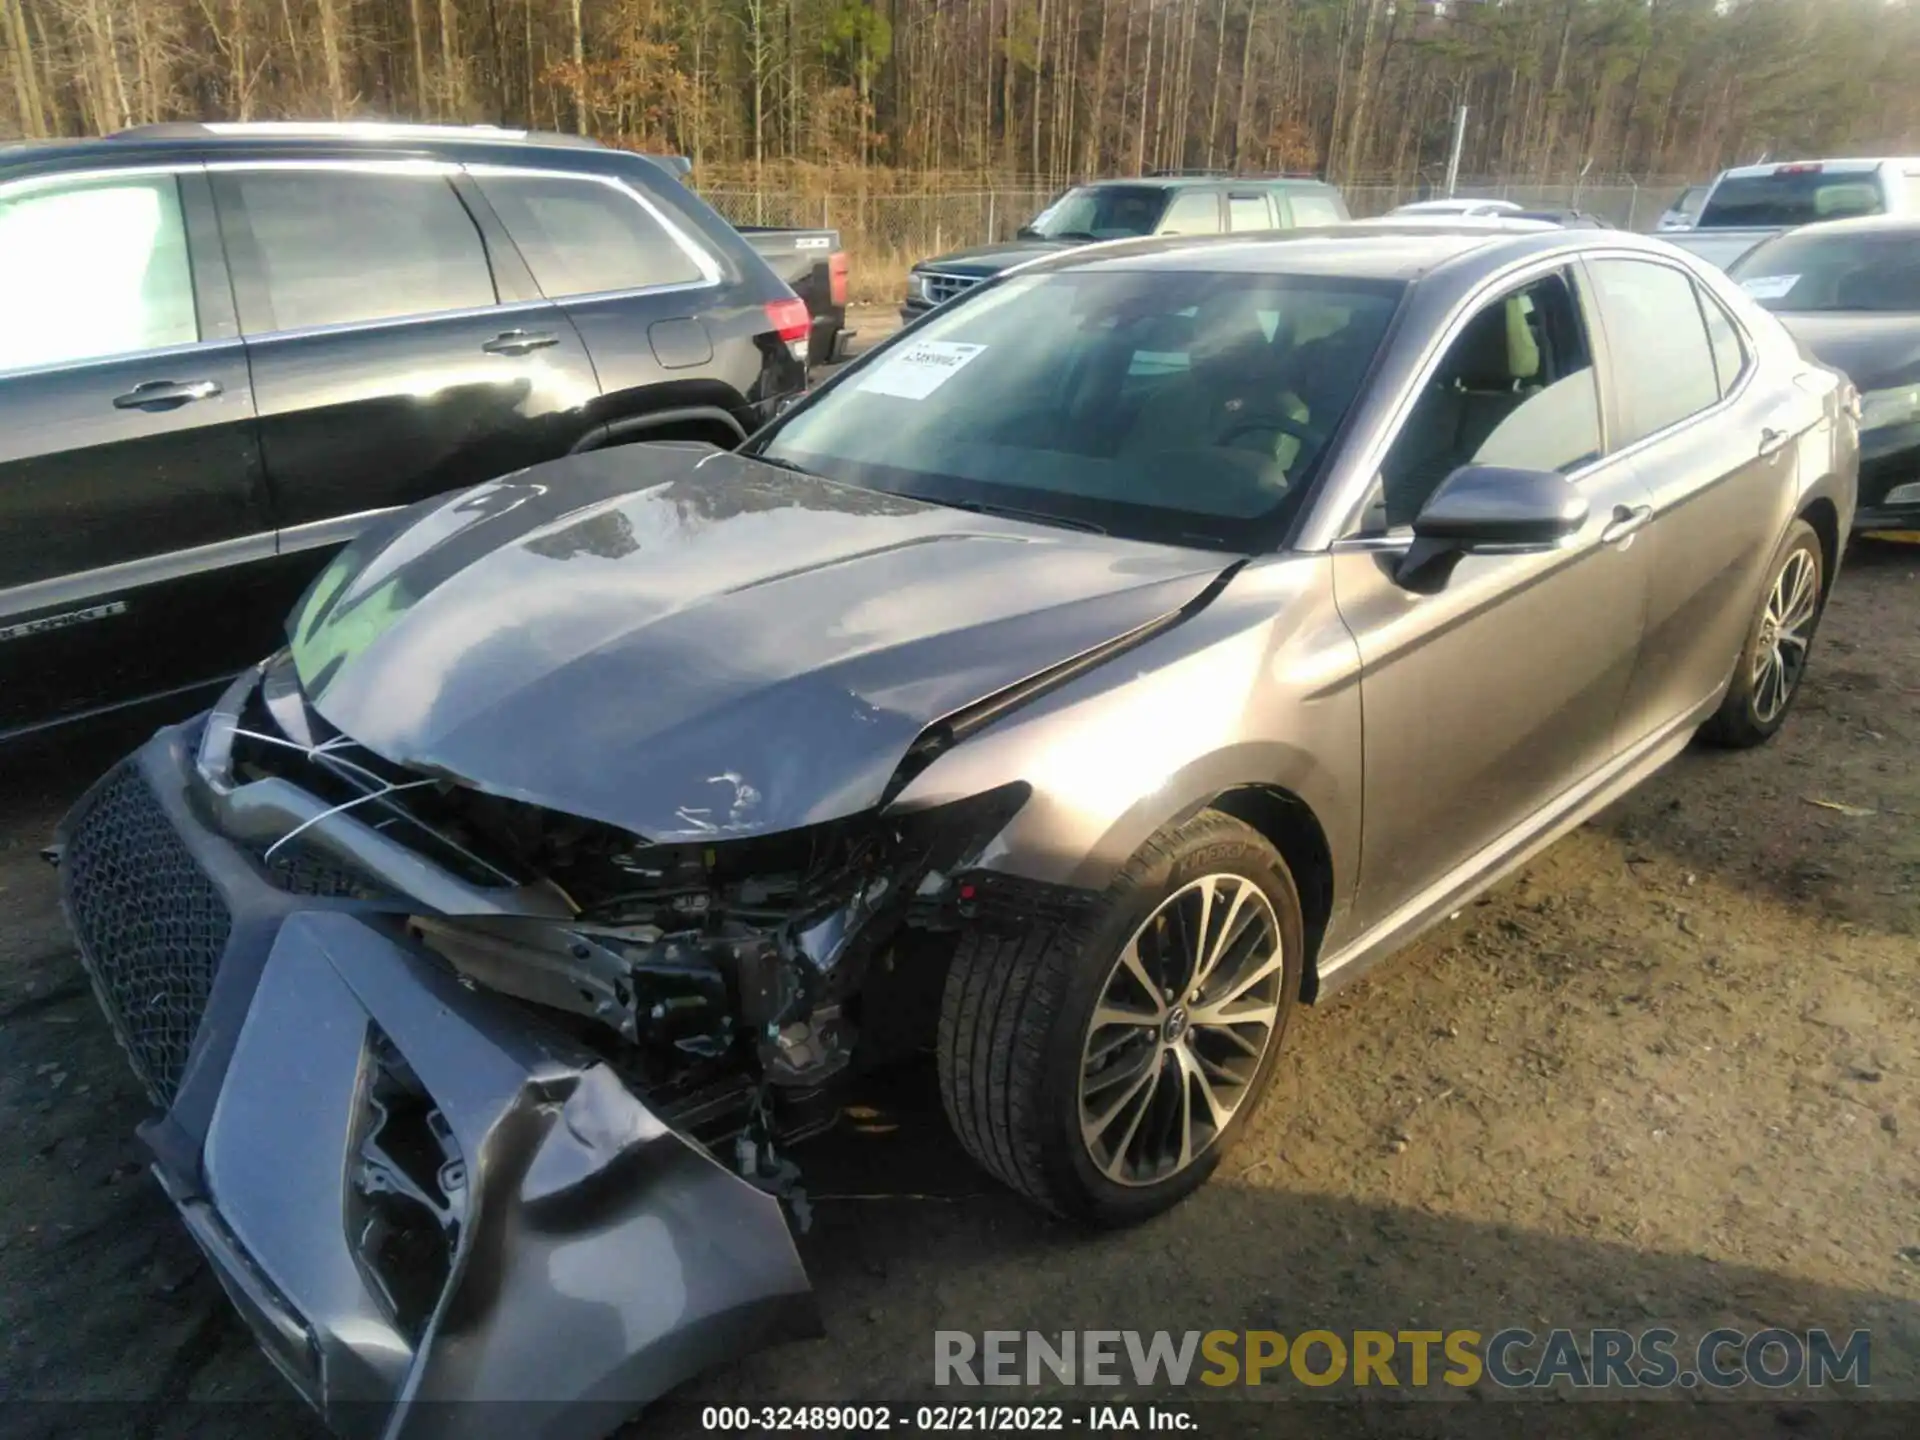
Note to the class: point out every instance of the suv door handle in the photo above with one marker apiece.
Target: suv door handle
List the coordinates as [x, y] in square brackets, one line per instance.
[519, 342]
[166, 394]
[1626, 520]
[1771, 440]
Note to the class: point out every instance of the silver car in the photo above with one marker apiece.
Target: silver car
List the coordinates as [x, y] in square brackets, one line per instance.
[1126, 653]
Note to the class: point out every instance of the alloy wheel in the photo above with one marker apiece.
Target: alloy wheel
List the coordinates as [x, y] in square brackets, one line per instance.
[1786, 632]
[1180, 1029]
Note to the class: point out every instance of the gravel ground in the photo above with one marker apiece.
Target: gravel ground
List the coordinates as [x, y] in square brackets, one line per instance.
[1668, 1073]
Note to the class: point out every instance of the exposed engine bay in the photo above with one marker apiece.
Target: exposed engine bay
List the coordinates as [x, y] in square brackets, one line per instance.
[726, 981]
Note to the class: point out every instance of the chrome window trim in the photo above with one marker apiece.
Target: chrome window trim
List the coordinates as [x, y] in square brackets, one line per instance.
[710, 271]
[53, 180]
[1339, 511]
[1726, 401]
[1339, 515]
[394, 322]
[404, 166]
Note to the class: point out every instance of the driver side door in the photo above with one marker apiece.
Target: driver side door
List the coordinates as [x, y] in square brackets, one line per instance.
[1492, 691]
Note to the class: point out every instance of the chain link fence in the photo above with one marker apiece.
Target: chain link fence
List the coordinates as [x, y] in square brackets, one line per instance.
[886, 234]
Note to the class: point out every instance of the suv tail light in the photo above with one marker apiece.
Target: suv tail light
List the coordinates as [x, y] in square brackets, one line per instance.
[791, 323]
[837, 277]
[1796, 169]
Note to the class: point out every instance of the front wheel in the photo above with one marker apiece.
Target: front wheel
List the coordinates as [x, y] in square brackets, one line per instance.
[1774, 659]
[1102, 1069]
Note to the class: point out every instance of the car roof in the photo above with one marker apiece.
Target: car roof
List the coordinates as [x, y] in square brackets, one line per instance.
[1182, 181]
[1360, 249]
[1843, 165]
[172, 141]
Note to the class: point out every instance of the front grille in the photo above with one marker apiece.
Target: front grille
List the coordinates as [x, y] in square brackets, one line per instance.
[151, 927]
[942, 288]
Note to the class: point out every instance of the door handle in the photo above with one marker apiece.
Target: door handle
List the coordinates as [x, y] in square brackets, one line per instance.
[1771, 440]
[1626, 520]
[166, 394]
[519, 342]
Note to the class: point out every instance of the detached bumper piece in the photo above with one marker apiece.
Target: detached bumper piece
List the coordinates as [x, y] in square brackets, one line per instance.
[418, 1196]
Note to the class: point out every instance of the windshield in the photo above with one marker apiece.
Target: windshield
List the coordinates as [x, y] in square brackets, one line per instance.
[1100, 212]
[1790, 197]
[1181, 407]
[1805, 270]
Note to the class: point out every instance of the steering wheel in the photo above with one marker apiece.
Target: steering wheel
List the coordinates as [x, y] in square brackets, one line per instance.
[1274, 420]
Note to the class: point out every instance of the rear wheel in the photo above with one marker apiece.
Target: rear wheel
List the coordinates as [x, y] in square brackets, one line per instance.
[1103, 1068]
[1767, 676]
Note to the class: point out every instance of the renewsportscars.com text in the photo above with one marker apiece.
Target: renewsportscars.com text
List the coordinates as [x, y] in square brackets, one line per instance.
[1514, 1359]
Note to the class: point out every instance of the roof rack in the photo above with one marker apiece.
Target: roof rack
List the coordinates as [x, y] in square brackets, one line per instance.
[345, 130]
[1221, 173]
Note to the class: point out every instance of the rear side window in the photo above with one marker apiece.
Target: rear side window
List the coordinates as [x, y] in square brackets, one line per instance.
[1791, 197]
[93, 269]
[1312, 207]
[581, 237]
[1249, 212]
[1723, 337]
[335, 247]
[1662, 359]
[1197, 212]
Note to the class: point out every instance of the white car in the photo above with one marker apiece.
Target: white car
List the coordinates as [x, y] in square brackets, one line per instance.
[1458, 207]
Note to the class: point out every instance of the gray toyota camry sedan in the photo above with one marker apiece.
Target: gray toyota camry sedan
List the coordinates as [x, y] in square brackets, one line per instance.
[1125, 654]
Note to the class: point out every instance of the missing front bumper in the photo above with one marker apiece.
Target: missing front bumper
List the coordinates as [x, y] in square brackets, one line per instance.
[593, 1257]
[598, 1260]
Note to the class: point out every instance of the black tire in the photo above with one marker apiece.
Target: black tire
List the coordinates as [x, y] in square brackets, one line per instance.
[1751, 714]
[1017, 1009]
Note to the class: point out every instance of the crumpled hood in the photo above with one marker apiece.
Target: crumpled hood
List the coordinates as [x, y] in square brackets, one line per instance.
[992, 259]
[1875, 352]
[683, 642]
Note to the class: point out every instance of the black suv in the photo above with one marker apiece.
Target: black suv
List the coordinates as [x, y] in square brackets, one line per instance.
[227, 348]
[1183, 202]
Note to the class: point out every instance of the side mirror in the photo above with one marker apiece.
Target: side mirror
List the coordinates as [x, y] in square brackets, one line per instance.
[1494, 507]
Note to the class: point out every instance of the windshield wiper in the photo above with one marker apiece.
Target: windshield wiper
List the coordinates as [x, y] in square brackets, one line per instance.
[1013, 512]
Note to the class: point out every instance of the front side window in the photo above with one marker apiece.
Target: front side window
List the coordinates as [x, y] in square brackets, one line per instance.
[93, 269]
[1197, 212]
[1850, 269]
[335, 247]
[580, 237]
[1100, 212]
[1515, 388]
[1163, 404]
[1662, 358]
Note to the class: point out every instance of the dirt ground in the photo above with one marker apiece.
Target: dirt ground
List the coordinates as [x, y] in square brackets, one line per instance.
[1669, 1073]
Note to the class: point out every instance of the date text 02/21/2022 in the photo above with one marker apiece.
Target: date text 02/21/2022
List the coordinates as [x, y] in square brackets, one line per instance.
[942, 1419]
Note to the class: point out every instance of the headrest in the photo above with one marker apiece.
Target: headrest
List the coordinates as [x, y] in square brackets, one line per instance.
[1498, 347]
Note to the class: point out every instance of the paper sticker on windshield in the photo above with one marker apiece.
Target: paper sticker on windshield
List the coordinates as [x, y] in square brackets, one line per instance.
[1769, 287]
[915, 371]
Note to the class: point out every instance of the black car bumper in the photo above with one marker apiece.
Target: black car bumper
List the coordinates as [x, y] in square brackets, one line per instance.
[414, 1191]
[1889, 486]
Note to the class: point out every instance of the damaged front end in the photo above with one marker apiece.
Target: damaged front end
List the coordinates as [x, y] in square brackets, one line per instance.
[470, 1099]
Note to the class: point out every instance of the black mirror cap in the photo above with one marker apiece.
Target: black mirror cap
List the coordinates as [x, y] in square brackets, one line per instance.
[1501, 505]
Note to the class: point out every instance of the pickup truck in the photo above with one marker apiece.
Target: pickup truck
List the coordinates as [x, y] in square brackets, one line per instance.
[812, 263]
[815, 268]
[1754, 202]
